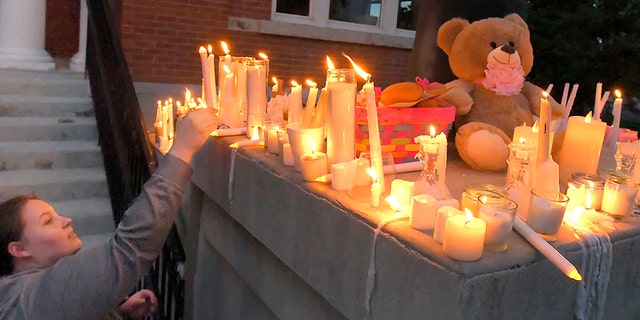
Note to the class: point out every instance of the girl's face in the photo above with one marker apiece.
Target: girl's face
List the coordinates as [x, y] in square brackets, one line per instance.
[47, 236]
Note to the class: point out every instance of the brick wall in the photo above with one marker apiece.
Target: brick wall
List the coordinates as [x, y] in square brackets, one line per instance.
[161, 40]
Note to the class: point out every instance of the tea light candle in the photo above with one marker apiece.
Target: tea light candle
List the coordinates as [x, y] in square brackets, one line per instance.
[423, 212]
[442, 214]
[287, 155]
[342, 175]
[464, 237]
[403, 191]
[313, 164]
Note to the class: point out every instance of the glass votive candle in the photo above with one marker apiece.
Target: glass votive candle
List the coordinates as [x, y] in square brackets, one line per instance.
[619, 196]
[498, 213]
[270, 133]
[471, 193]
[593, 188]
[283, 138]
[546, 210]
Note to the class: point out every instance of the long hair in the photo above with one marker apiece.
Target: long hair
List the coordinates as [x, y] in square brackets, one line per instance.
[10, 229]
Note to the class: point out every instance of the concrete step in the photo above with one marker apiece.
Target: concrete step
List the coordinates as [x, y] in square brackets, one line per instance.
[20, 105]
[89, 216]
[47, 83]
[47, 128]
[23, 155]
[55, 184]
[89, 241]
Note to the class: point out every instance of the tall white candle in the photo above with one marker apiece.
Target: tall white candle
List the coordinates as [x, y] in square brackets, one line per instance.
[295, 102]
[547, 172]
[256, 92]
[617, 113]
[206, 76]
[307, 114]
[341, 114]
[211, 64]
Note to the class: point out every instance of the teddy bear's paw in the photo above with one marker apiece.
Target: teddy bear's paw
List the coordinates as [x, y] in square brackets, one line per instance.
[483, 146]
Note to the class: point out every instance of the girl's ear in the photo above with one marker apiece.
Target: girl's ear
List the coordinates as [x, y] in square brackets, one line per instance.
[17, 250]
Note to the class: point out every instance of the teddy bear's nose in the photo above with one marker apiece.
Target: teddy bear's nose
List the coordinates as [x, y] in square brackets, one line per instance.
[508, 49]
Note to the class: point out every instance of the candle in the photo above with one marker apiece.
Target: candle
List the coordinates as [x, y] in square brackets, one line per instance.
[431, 140]
[225, 132]
[313, 164]
[206, 76]
[342, 175]
[272, 140]
[287, 155]
[310, 106]
[617, 110]
[403, 191]
[257, 92]
[596, 103]
[387, 169]
[211, 58]
[283, 137]
[320, 111]
[341, 114]
[547, 172]
[228, 101]
[498, 213]
[464, 237]
[241, 64]
[546, 249]
[275, 87]
[442, 215]
[295, 102]
[619, 196]
[376, 189]
[423, 212]
[580, 151]
[546, 211]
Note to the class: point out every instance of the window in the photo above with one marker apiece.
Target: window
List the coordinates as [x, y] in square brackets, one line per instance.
[388, 16]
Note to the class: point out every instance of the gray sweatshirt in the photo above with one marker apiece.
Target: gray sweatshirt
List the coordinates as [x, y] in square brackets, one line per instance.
[91, 283]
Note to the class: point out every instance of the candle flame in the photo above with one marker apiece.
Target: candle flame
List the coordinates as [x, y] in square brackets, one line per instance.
[432, 131]
[294, 83]
[263, 55]
[536, 127]
[311, 83]
[255, 135]
[210, 49]
[588, 118]
[545, 95]
[170, 100]
[372, 173]
[187, 94]
[393, 202]
[313, 148]
[226, 69]
[330, 65]
[275, 80]
[322, 178]
[523, 140]
[469, 215]
[618, 93]
[363, 74]
[225, 47]
[202, 50]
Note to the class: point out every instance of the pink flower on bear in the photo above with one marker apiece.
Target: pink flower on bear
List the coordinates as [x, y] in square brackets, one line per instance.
[503, 79]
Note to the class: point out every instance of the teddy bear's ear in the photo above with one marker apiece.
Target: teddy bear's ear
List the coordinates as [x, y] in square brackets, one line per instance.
[449, 31]
[514, 17]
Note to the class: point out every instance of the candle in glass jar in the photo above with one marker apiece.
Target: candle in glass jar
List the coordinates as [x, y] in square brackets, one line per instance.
[272, 140]
[287, 155]
[619, 196]
[313, 164]
[403, 191]
[464, 237]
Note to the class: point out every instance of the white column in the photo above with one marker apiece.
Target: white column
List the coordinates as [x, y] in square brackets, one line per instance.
[77, 62]
[22, 24]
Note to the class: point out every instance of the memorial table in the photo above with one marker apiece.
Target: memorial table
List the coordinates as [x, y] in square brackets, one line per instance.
[289, 249]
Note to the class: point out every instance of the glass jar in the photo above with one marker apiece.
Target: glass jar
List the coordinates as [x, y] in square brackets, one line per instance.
[593, 189]
[471, 193]
[518, 181]
[619, 195]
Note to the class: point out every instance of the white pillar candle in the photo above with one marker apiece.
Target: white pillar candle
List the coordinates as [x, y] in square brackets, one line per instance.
[313, 164]
[403, 191]
[287, 155]
[342, 175]
[341, 113]
[423, 212]
[272, 140]
[206, 77]
[295, 102]
[256, 92]
[580, 151]
[442, 214]
[464, 237]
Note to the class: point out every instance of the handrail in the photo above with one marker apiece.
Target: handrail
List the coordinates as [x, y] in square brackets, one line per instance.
[128, 154]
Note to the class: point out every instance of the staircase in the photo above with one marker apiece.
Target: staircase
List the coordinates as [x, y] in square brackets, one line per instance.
[49, 147]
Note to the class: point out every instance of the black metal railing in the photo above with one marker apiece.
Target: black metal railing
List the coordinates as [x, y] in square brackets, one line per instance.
[128, 154]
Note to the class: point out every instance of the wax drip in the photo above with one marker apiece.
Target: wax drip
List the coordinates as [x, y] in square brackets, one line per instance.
[231, 173]
[371, 273]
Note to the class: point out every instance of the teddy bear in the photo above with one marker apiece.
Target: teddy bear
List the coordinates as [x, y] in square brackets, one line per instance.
[490, 58]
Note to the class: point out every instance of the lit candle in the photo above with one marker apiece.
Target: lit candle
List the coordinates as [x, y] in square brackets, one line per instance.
[387, 169]
[212, 77]
[619, 196]
[228, 104]
[423, 212]
[580, 151]
[313, 164]
[442, 214]
[403, 191]
[257, 92]
[275, 87]
[547, 172]
[441, 139]
[546, 211]
[295, 102]
[617, 110]
[464, 237]
[310, 106]
[254, 141]
[341, 114]
[498, 214]
[376, 189]
[206, 76]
